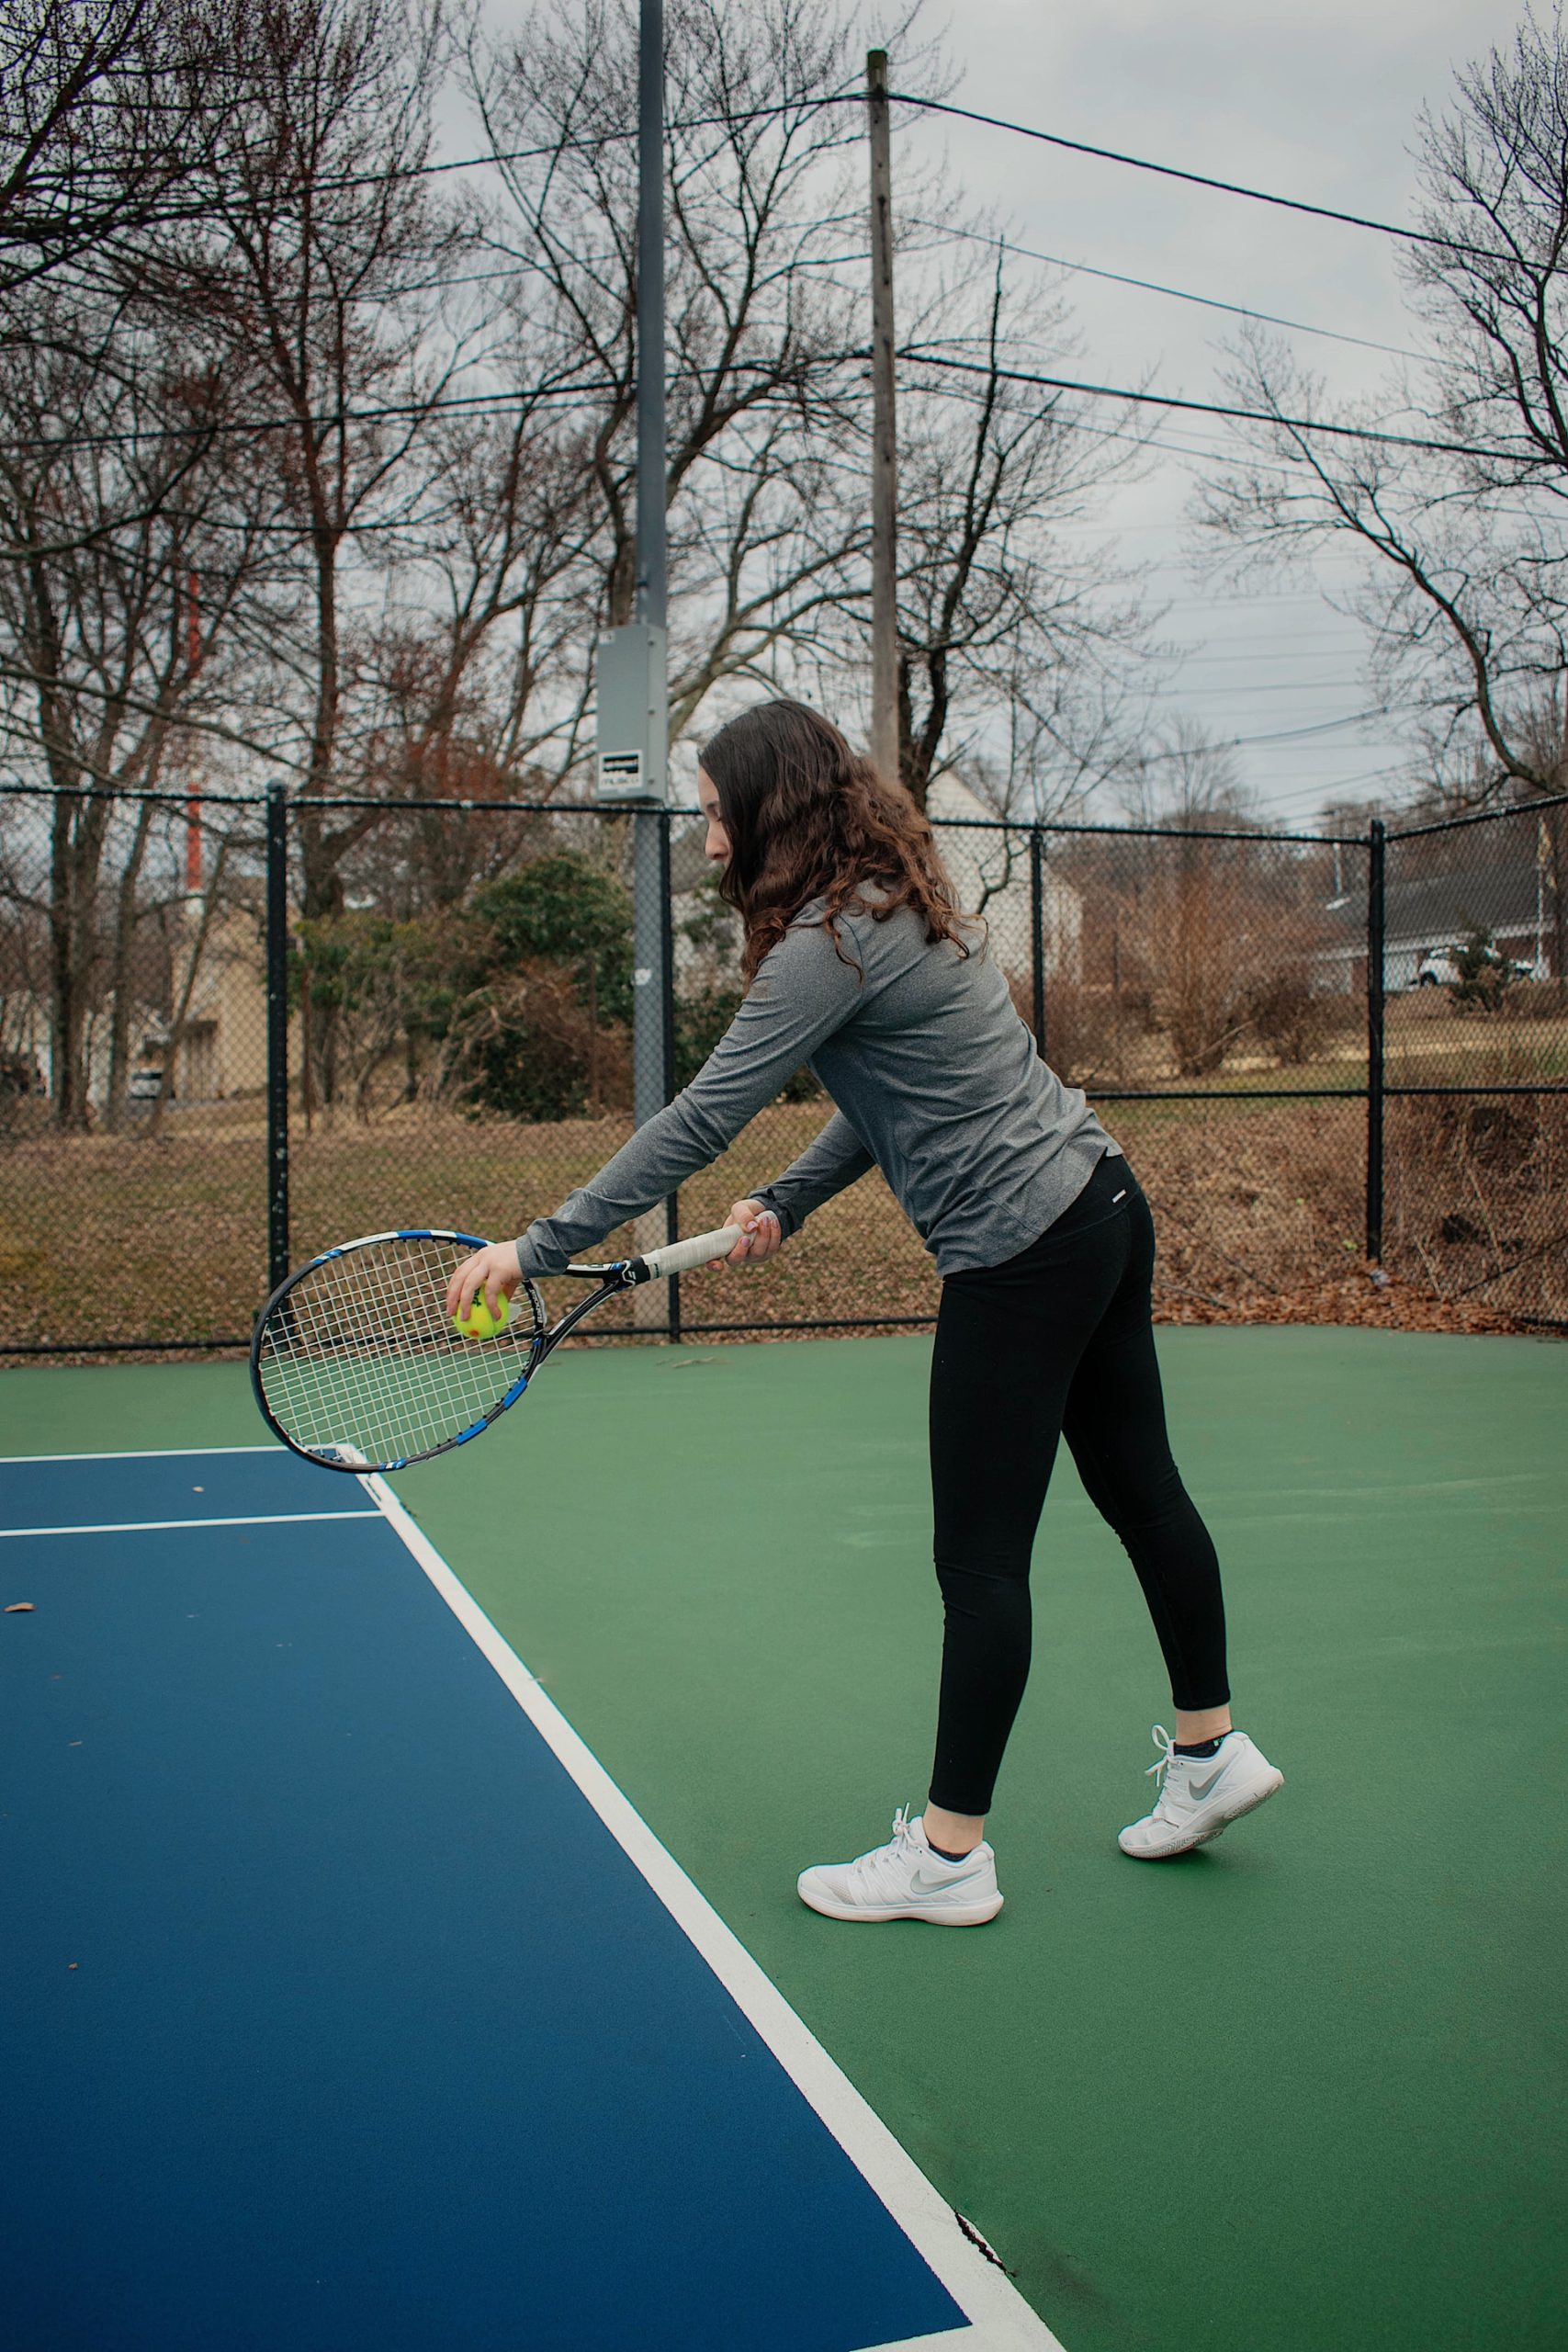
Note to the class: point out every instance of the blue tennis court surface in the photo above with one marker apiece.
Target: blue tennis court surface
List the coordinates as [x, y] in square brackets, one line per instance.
[348, 2004]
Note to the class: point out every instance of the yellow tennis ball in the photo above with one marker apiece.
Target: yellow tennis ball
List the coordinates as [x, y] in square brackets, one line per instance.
[480, 1323]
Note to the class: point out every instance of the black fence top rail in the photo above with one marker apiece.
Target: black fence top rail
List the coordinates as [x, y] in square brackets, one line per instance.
[1019, 827]
[1228, 1094]
[1048, 825]
[433, 806]
[1016, 825]
[484, 808]
[1483, 817]
[133, 796]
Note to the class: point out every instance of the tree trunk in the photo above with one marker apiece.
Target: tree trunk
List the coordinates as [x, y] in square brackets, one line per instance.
[76, 849]
[119, 973]
[1559, 909]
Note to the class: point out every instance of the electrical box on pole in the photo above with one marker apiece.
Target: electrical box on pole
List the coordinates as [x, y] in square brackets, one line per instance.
[632, 714]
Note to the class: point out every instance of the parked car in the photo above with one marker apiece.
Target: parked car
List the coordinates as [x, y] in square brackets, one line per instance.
[1439, 967]
[146, 1085]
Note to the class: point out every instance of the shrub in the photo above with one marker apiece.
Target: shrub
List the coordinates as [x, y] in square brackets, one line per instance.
[1484, 976]
[1086, 1028]
[533, 1051]
[570, 911]
[1288, 1015]
[549, 1004]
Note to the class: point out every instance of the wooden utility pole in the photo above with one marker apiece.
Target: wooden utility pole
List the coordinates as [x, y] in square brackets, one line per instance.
[885, 436]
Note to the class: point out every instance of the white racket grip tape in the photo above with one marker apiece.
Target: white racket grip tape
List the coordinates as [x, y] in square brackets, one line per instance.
[680, 1257]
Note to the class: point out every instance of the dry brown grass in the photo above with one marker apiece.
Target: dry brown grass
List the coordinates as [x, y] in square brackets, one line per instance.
[1259, 1207]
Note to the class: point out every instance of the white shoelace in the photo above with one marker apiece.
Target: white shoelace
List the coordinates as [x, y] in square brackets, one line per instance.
[884, 1871]
[1163, 1740]
[1169, 1798]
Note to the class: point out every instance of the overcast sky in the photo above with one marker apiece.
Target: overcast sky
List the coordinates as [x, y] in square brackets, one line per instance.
[1317, 101]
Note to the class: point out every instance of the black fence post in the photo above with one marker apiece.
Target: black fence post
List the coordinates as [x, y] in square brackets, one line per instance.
[277, 1034]
[1376, 851]
[667, 954]
[1037, 924]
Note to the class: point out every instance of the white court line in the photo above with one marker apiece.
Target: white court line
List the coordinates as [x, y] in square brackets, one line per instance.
[999, 2318]
[155, 1526]
[144, 1453]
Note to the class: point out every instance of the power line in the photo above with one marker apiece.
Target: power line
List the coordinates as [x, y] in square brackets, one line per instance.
[1324, 727]
[1325, 787]
[1327, 783]
[935, 228]
[580, 395]
[1270, 596]
[854, 97]
[1336, 648]
[1196, 179]
[584, 395]
[1217, 689]
[555, 147]
[1175, 293]
[1278, 735]
[324, 421]
[1197, 455]
[1202, 408]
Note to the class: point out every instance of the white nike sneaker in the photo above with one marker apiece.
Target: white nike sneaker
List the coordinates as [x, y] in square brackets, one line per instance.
[905, 1880]
[1199, 1796]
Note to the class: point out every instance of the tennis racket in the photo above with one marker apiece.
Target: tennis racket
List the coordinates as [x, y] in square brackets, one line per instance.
[356, 1363]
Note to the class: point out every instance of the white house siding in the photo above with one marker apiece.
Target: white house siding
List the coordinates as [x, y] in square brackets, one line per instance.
[990, 873]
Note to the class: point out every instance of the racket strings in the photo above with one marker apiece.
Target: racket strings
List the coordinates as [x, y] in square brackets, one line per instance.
[361, 1354]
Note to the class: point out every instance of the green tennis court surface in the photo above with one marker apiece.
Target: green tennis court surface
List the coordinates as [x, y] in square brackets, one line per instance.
[1301, 2091]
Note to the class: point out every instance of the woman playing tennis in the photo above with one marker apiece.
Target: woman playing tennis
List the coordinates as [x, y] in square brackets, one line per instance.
[860, 964]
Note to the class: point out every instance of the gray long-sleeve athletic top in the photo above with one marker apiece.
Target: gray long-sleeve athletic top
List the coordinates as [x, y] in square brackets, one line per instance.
[936, 1080]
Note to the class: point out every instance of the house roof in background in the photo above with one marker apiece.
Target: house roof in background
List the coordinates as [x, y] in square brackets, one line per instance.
[1432, 909]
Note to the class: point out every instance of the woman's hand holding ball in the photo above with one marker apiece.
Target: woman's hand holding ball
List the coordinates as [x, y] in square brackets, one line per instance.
[490, 1276]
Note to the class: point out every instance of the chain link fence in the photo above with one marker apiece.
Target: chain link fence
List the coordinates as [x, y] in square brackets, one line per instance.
[234, 1030]
[1475, 1061]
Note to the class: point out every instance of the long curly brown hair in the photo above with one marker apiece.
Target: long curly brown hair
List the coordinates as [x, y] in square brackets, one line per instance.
[807, 818]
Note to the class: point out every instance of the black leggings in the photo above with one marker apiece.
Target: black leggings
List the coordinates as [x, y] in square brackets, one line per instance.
[1057, 1340]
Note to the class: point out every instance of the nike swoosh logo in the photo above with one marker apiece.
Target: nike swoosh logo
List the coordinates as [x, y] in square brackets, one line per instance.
[1201, 1789]
[920, 1885]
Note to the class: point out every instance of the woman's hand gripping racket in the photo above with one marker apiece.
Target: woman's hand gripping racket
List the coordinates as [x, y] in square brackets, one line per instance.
[357, 1362]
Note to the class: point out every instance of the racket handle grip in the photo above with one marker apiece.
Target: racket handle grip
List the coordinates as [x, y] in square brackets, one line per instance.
[680, 1256]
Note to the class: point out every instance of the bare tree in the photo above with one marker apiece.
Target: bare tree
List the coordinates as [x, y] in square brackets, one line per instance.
[1465, 538]
[765, 301]
[105, 109]
[105, 528]
[482, 671]
[994, 617]
[322, 233]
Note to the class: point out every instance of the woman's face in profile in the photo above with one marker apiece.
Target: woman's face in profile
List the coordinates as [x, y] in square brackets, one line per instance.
[716, 843]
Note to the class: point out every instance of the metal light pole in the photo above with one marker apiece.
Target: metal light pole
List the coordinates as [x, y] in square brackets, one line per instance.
[884, 433]
[632, 667]
[650, 1072]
